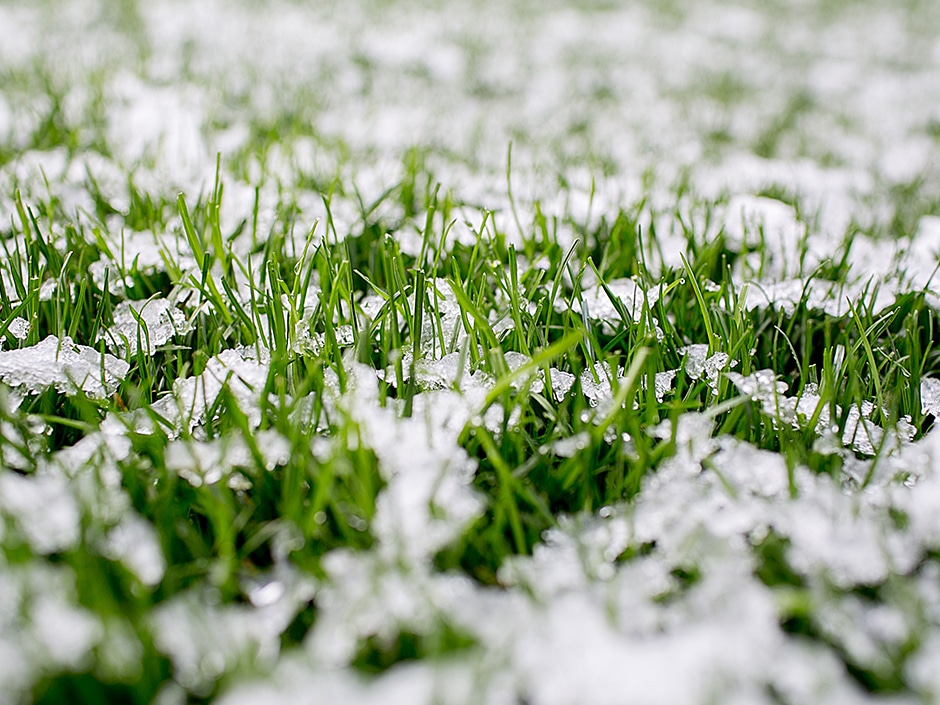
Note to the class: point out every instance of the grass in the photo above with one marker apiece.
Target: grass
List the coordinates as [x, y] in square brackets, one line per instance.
[274, 299]
[376, 421]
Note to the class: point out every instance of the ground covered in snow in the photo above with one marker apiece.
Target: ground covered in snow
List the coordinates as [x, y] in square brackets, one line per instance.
[507, 351]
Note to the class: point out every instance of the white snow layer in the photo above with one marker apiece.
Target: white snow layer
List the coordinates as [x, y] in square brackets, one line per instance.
[64, 365]
[652, 602]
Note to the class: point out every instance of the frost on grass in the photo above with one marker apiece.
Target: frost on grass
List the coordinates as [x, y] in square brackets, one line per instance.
[64, 365]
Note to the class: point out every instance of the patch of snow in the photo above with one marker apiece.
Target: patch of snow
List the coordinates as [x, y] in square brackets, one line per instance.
[771, 230]
[207, 462]
[698, 363]
[205, 640]
[19, 328]
[64, 365]
[152, 323]
[191, 397]
[570, 446]
[135, 543]
[44, 509]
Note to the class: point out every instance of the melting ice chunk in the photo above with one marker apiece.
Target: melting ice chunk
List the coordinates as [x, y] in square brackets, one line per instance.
[135, 543]
[44, 509]
[860, 433]
[930, 396]
[514, 361]
[663, 383]
[19, 328]
[596, 384]
[697, 363]
[64, 365]
[561, 382]
[191, 397]
[149, 323]
[694, 359]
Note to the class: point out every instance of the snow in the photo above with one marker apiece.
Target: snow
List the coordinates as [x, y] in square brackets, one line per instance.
[42, 628]
[19, 328]
[150, 323]
[44, 509]
[234, 370]
[135, 543]
[428, 499]
[771, 228]
[64, 365]
[698, 363]
[204, 639]
[658, 599]
[207, 462]
[930, 396]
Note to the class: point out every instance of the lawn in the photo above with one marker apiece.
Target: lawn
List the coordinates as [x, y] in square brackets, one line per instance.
[509, 351]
